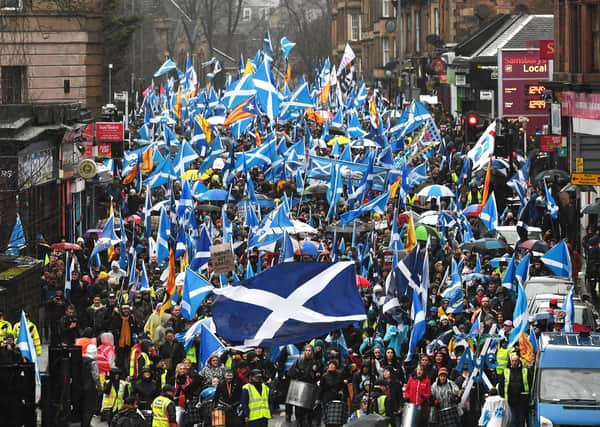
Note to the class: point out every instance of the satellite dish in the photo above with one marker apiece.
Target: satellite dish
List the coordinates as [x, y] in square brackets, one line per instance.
[87, 168]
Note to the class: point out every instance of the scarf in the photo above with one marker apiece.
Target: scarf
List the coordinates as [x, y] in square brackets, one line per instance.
[125, 335]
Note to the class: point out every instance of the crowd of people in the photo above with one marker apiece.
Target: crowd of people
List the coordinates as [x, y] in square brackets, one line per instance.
[135, 362]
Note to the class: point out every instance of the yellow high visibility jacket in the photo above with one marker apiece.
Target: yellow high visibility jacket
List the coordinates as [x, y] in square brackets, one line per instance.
[258, 404]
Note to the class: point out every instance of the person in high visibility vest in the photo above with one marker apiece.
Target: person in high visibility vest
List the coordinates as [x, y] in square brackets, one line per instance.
[163, 408]
[516, 390]
[5, 327]
[362, 411]
[114, 393]
[255, 401]
[35, 336]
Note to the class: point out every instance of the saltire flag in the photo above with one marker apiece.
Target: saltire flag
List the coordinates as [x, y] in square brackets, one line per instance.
[26, 346]
[568, 307]
[316, 298]
[414, 116]
[377, 205]
[238, 92]
[245, 110]
[334, 192]
[292, 353]
[454, 293]
[520, 318]
[287, 249]
[484, 148]
[167, 66]
[509, 277]
[551, 206]
[195, 291]
[405, 275]
[190, 75]
[186, 204]
[148, 213]
[144, 282]
[210, 345]
[107, 239]
[17, 238]
[489, 214]
[133, 266]
[268, 96]
[558, 260]
[286, 46]
[418, 327]
[163, 236]
[394, 235]
[475, 327]
[522, 271]
[181, 243]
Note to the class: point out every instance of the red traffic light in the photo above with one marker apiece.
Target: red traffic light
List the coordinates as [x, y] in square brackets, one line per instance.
[472, 119]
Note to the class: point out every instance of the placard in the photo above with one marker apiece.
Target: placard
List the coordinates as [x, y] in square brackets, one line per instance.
[221, 257]
[8, 173]
[109, 132]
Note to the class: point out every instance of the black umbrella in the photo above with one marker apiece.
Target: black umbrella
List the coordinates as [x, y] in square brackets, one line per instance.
[485, 245]
[592, 209]
[361, 227]
[552, 175]
[371, 420]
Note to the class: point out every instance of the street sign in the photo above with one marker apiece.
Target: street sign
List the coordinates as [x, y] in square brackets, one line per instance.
[120, 96]
[578, 178]
[486, 95]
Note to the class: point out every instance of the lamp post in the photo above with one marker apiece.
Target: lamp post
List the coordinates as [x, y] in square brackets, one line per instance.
[110, 67]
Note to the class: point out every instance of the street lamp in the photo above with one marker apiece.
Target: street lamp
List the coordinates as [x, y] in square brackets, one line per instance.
[110, 67]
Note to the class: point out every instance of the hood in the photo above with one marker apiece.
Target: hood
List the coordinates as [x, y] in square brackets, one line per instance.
[107, 338]
[164, 319]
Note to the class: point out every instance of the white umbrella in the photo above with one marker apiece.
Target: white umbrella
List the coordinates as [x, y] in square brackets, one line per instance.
[270, 247]
[216, 120]
[435, 190]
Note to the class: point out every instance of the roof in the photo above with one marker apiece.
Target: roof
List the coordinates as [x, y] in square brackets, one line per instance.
[507, 32]
[570, 339]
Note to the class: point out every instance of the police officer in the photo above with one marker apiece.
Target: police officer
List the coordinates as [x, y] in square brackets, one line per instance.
[163, 408]
[255, 401]
[114, 393]
[516, 390]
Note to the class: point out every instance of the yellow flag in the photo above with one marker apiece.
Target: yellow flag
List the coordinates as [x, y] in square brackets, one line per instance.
[526, 349]
[288, 74]
[148, 160]
[486, 185]
[394, 187]
[411, 235]
[184, 263]
[373, 109]
[205, 127]
[249, 68]
[324, 95]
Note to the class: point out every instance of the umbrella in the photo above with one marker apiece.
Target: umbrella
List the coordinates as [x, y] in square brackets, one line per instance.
[66, 246]
[364, 142]
[264, 202]
[485, 245]
[316, 189]
[575, 187]
[435, 190]
[371, 420]
[362, 282]
[534, 245]
[592, 209]
[92, 232]
[361, 227]
[422, 232]
[216, 120]
[310, 248]
[438, 218]
[216, 195]
[553, 175]
[209, 208]
[340, 139]
[495, 262]
[136, 219]
[302, 227]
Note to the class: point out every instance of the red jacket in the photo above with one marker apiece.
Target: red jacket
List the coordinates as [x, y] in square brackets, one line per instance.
[418, 391]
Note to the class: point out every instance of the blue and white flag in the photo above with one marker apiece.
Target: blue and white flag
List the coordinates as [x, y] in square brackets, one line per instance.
[417, 175]
[148, 213]
[419, 325]
[181, 242]
[454, 293]
[489, 214]
[268, 96]
[377, 205]
[25, 344]
[167, 66]
[17, 238]
[186, 203]
[144, 282]
[286, 46]
[334, 192]
[558, 260]
[239, 91]
[509, 278]
[520, 318]
[70, 268]
[355, 129]
[163, 236]
[568, 307]
[132, 266]
[522, 270]
[195, 291]
[292, 355]
[202, 253]
[210, 345]
[413, 117]
[316, 298]
[107, 239]
[394, 235]
[551, 206]
[484, 148]
[287, 249]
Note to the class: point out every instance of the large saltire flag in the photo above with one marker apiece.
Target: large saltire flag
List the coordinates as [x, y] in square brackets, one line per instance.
[17, 238]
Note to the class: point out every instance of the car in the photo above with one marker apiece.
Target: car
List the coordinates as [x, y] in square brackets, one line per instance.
[509, 234]
[584, 315]
[547, 285]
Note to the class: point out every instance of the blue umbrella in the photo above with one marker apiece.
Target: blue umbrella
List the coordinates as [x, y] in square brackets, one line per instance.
[214, 196]
[435, 190]
[309, 248]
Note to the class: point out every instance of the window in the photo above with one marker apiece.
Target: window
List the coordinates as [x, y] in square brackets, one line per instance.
[595, 18]
[11, 84]
[408, 44]
[388, 9]
[436, 21]
[386, 51]
[354, 27]
[11, 4]
[265, 13]
[418, 31]
[246, 14]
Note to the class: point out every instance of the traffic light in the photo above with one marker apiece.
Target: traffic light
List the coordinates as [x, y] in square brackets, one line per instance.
[471, 123]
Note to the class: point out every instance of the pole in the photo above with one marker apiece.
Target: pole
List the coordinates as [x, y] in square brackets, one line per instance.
[110, 66]
[127, 118]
